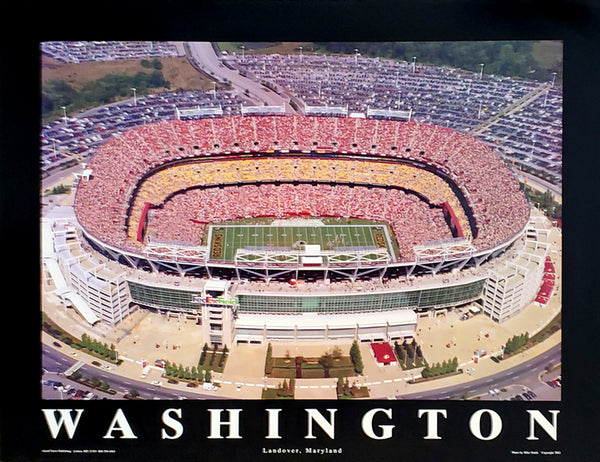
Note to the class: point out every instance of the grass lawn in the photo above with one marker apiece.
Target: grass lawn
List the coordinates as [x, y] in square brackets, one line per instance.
[226, 239]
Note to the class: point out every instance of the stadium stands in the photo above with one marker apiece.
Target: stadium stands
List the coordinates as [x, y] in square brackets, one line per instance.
[126, 171]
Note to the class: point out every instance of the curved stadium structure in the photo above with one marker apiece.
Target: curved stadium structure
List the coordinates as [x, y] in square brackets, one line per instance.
[393, 220]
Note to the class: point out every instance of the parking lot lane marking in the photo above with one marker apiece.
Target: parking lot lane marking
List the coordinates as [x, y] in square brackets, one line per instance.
[388, 381]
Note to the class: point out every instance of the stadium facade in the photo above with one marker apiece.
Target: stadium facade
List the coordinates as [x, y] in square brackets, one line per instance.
[124, 251]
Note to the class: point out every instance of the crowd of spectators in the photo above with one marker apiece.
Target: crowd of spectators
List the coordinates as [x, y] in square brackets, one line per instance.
[499, 208]
[78, 52]
[183, 217]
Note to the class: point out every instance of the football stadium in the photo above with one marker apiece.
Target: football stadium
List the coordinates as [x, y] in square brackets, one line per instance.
[324, 225]
[278, 225]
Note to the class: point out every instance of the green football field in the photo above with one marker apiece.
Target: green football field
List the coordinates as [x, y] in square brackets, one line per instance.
[226, 239]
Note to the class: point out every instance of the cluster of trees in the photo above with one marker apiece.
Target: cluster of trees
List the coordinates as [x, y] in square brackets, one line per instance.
[154, 64]
[356, 357]
[344, 388]
[213, 355]
[409, 354]
[508, 58]
[516, 342]
[285, 389]
[104, 90]
[60, 189]
[186, 373]
[446, 367]
[94, 382]
[544, 201]
[98, 347]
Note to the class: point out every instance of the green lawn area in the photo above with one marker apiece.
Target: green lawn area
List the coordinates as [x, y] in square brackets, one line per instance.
[226, 239]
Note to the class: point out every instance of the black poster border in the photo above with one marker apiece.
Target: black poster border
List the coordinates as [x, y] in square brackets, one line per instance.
[24, 431]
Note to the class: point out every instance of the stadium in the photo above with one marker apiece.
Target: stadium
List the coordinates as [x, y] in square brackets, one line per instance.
[296, 228]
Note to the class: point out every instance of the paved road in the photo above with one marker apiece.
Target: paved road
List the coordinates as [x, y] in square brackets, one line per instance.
[523, 376]
[205, 56]
[56, 362]
[520, 374]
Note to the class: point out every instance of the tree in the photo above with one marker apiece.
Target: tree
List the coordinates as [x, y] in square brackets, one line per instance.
[203, 354]
[356, 357]
[336, 353]
[157, 64]
[269, 360]
[327, 362]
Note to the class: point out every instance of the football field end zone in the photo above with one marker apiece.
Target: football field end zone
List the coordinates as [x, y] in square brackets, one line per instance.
[224, 239]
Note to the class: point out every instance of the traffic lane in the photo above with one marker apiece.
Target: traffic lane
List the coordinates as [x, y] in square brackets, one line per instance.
[498, 380]
[206, 57]
[57, 362]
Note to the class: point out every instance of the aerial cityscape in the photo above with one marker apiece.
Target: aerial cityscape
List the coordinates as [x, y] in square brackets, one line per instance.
[301, 220]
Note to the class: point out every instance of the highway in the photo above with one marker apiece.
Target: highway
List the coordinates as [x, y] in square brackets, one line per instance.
[56, 363]
[205, 57]
[525, 374]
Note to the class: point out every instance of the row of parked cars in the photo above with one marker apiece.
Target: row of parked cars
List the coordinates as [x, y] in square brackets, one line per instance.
[73, 393]
[528, 395]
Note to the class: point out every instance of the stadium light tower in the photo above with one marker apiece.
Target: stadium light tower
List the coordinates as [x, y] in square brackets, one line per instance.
[356, 56]
[64, 108]
[134, 97]
[553, 78]
[481, 71]
[243, 53]
[414, 64]
[300, 53]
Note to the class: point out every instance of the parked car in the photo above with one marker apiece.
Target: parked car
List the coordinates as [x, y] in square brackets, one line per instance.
[156, 383]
